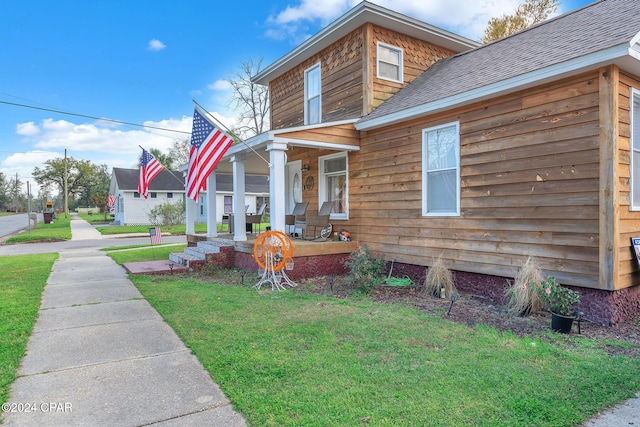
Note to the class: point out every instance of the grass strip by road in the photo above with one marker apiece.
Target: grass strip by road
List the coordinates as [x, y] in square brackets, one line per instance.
[59, 229]
[22, 279]
[148, 253]
[293, 358]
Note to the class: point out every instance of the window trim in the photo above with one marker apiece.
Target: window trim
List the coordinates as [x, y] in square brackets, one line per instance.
[306, 91]
[425, 207]
[322, 184]
[634, 205]
[400, 65]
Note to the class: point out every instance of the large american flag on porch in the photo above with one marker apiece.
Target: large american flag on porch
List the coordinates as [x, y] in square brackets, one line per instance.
[208, 145]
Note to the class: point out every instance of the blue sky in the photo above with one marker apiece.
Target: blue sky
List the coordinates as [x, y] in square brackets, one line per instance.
[144, 63]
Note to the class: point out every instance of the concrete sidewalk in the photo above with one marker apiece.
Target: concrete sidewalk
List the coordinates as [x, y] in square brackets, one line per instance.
[100, 355]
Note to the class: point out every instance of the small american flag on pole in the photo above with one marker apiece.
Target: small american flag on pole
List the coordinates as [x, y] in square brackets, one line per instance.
[149, 169]
[155, 235]
[208, 145]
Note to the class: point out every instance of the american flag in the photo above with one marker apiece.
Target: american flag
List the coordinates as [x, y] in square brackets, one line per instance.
[112, 200]
[208, 145]
[155, 235]
[149, 168]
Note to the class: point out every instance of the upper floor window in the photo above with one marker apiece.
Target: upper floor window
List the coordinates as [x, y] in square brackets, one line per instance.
[333, 184]
[390, 63]
[312, 100]
[441, 170]
[634, 182]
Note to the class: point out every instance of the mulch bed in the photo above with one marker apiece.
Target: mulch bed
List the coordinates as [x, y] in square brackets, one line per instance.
[474, 310]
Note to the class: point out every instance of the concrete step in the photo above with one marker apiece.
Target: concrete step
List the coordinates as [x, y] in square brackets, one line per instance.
[198, 253]
[183, 259]
[210, 247]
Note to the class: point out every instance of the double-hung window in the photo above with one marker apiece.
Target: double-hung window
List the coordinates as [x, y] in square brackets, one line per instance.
[312, 99]
[441, 170]
[333, 184]
[389, 63]
[634, 182]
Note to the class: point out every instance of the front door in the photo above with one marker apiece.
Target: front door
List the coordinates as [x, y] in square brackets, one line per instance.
[294, 185]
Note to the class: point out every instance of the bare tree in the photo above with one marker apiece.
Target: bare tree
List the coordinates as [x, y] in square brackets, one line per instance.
[249, 100]
[529, 13]
[179, 151]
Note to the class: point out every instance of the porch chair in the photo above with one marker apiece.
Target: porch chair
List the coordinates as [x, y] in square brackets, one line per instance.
[229, 219]
[298, 218]
[321, 221]
[256, 218]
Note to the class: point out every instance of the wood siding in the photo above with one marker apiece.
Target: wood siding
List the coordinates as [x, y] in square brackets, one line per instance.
[629, 224]
[418, 56]
[350, 87]
[341, 74]
[530, 172]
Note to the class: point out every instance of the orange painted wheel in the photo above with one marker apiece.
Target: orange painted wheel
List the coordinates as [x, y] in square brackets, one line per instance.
[273, 245]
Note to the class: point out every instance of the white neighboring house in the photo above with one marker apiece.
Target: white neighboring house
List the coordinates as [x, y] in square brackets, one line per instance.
[132, 209]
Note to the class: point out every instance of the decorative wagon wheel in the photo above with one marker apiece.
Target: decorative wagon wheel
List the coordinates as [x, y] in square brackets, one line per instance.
[275, 245]
[273, 251]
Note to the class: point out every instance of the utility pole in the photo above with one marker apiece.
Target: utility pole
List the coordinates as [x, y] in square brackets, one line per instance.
[66, 179]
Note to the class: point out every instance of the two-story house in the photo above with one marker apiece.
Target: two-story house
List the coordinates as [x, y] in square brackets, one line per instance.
[432, 145]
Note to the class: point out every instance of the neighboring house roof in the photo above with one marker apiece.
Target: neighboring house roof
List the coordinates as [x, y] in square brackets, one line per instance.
[361, 14]
[252, 183]
[601, 33]
[127, 180]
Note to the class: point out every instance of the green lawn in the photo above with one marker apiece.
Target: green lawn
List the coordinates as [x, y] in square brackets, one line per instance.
[22, 279]
[293, 358]
[59, 229]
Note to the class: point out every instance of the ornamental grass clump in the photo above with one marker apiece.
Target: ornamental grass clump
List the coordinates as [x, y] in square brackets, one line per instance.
[523, 297]
[557, 298]
[439, 277]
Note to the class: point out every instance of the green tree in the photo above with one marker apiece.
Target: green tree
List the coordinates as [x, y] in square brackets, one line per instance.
[529, 13]
[179, 151]
[80, 175]
[4, 199]
[249, 100]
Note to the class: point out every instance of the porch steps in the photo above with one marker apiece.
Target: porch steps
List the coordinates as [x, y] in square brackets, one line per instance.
[195, 256]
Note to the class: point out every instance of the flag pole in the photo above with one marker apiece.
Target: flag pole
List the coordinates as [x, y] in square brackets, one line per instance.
[229, 131]
[163, 166]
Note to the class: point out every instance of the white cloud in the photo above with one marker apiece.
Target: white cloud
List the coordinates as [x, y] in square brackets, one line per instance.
[27, 129]
[222, 85]
[155, 45]
[465, 17]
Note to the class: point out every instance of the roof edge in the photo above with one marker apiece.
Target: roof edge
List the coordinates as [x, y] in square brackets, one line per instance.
[360, 14]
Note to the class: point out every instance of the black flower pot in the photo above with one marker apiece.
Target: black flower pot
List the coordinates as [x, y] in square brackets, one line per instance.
[560, 323]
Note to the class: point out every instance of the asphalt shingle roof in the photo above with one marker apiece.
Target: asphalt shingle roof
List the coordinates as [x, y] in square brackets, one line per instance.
[592, 28]
[174, 181]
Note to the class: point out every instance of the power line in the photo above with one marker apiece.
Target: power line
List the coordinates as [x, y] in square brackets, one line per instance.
[92, 117]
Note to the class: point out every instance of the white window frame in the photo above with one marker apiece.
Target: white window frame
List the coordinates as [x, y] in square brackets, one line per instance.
[426, 171]
[307, 72]
[400, 65]
[322, 184]
[634, 179]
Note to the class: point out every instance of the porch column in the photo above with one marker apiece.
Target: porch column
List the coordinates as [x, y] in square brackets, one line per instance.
[277, 185]
[191, 209]
[212, 226]
[239, 211]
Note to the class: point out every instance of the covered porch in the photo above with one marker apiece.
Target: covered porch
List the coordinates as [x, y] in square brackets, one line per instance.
[266, 154]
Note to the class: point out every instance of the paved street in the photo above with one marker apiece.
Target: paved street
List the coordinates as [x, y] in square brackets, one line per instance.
[11, 224]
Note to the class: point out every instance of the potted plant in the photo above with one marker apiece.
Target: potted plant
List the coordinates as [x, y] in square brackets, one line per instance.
[561, 302]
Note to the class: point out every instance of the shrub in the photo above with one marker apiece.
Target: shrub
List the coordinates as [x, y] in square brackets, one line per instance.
[168, 214]
[365, 271]
[438, 277]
